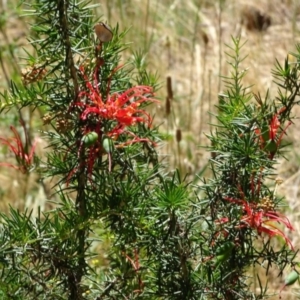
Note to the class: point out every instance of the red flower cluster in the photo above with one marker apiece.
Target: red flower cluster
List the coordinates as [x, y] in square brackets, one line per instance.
[261, 219]
[106, 117]
[23, 155]
[123, 108]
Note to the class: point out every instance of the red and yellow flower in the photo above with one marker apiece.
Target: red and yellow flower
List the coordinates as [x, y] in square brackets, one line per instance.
[263, 220]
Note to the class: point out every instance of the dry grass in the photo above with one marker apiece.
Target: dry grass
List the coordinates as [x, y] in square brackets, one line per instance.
[185, 40]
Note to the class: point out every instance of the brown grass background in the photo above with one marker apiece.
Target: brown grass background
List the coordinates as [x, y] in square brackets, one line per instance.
[185, 40]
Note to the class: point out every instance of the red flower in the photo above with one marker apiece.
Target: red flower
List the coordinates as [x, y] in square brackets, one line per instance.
[23, 155]
[262, 219]
[273, 128]
[269, 138]
[123, 108]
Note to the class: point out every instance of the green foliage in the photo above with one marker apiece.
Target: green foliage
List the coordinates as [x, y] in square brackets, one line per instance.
[163, 238]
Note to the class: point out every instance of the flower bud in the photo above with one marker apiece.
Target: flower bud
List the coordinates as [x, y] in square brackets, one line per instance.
[108, 144]
[90, 139]
[291, 278]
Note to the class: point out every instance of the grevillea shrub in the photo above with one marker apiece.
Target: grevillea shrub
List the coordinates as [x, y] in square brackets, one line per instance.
[120, 226]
